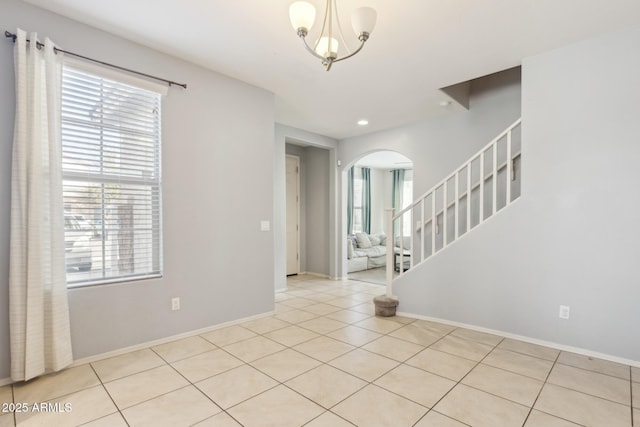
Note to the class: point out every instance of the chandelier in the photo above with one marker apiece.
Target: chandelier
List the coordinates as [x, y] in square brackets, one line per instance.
[303, 16]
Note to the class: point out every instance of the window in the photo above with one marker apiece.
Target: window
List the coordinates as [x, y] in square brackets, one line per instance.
[111, 179]
[407, 199]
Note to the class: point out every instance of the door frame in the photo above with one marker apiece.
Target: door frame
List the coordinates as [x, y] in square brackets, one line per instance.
[297, 159]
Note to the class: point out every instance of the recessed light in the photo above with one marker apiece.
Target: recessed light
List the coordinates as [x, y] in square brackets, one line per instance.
[445, 104]
[363, 122]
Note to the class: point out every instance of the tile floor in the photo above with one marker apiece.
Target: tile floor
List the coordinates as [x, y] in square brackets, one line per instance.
[323, 359]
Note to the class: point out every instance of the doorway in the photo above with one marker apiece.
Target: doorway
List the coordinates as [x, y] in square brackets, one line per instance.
[293, 214]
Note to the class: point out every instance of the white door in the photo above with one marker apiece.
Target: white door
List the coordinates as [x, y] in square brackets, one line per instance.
[293, 215]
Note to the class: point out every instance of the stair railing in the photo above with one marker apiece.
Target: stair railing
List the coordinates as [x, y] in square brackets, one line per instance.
[488, 182]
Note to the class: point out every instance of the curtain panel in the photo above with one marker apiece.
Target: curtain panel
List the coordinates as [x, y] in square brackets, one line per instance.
[350, 177]
[366, 200]
[40, 336]
[397, 189]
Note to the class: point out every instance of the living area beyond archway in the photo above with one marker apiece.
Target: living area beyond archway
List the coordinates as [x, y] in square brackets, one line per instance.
[375, 182]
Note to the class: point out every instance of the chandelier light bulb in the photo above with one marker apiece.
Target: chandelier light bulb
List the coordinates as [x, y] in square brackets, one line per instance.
[327, 47]
[363, 20]
[302, 15]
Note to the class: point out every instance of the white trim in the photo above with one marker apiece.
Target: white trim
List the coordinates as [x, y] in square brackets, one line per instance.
[298, 200]
[561, 347]
[165, 340]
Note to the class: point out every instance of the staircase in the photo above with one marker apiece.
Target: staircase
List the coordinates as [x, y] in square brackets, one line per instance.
[488, 182]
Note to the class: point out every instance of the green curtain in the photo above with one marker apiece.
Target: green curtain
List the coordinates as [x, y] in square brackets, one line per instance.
[350, 201]
[398, 185]
[366, 200]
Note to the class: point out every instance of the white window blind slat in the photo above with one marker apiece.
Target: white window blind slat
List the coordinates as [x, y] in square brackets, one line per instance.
[112, 182]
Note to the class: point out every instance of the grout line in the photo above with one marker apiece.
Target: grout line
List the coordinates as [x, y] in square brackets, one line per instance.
[108, 394]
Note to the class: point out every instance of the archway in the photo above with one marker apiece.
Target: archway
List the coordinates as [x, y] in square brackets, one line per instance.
[375, 182]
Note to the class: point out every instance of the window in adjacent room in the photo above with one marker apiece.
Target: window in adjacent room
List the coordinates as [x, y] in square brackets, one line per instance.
[111, 178]
[357, 201]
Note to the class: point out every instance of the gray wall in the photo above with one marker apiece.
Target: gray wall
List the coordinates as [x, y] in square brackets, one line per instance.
[211, 131]
[436, 147]
[572, 237]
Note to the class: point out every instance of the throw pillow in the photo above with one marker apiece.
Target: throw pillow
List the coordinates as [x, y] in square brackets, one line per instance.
[383, 239]
[349, 248]
[363, 240]
[374, 239]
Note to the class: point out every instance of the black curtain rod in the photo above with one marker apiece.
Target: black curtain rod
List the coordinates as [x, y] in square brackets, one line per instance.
[169, 82]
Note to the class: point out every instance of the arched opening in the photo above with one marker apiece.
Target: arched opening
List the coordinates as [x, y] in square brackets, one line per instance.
[375, 182]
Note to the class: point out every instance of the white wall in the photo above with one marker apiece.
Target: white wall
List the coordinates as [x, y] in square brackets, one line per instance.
[211, 212]
[572, 237]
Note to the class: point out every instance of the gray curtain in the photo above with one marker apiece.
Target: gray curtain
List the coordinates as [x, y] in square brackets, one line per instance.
[398, 185]
[350, 202]
[366, 200]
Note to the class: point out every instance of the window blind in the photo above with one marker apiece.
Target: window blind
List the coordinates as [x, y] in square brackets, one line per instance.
[111, 179]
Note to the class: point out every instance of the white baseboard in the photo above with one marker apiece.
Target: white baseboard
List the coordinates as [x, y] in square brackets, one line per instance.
[160, 341]
[529, 340]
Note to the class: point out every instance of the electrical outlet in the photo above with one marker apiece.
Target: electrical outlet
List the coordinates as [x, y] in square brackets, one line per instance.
[564, 311]
[175, 304]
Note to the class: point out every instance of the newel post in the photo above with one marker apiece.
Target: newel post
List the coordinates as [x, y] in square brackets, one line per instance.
[386, 304]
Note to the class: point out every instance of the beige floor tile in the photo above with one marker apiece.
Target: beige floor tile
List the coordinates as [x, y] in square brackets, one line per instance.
[137, 388]
[635, 374]
[328, 419]
[436, 419]
[295, 316]
[291, 335]
[320, 297]
[265, 324]
[228, 335]
[6, 420]
[281, 308]
[181, 349]
[113, 420]
[540, 419]
[440, 328]
[234, 386]
[519, 363]
[83, 406]
[364, 408]
[297, 302]
[326, 385]
[285, 365]
[443, 364]
[278, 407]
[324, 348]
[462, 347]
[48, 387]
[635, 392]
[477, 336]
[183, 407]
[364, 364]
[530, 349]
[354, 335]
[206, 365]
[636, 416]
[401, 319]
[415, 384]
[582, 408]
[220, 420]
[301, 292]
[416, 334]
[254, 348]
[344, 302]
[322, 325]
[592, 383]
[597, 365]
[367, 308]
[321, 309]
[515, 387]
[393, 348]
[127, 364]
[347, 316]
[378, 324]
[6, 395]
[340, 292]
[480, 409]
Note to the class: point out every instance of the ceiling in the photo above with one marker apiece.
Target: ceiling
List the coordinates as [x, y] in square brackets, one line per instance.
[417, 47]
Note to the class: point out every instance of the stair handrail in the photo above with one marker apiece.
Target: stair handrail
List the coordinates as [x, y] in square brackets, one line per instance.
[391, 217]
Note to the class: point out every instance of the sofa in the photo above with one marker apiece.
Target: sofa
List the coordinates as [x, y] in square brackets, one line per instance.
[365, 251]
